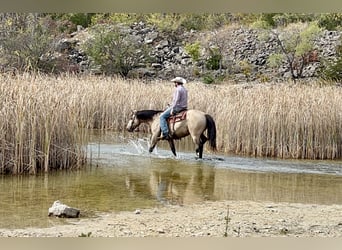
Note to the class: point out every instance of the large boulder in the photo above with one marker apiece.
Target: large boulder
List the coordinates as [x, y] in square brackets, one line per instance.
[61, 210]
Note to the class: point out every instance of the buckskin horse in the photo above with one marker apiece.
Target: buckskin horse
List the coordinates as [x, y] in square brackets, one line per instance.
[190, 122]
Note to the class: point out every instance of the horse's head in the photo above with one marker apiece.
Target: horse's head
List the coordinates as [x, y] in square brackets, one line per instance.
[142, 116]
[134, 122]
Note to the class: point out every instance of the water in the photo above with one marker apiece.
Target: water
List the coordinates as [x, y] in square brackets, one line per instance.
[122, 175]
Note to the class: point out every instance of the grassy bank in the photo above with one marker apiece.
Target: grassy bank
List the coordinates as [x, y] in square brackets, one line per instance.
[43, 118]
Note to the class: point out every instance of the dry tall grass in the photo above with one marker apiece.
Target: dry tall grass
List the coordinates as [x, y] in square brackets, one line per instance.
[44, 120]
[282, 121]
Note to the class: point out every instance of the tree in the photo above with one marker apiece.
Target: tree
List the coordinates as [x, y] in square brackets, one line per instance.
[296, 47]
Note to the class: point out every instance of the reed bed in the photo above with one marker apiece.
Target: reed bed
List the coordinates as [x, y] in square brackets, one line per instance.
[44, 121]
[286, 121]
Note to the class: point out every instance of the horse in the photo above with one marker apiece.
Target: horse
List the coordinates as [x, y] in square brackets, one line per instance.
[194, 123]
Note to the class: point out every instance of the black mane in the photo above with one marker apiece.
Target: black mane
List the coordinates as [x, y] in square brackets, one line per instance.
[147, 114]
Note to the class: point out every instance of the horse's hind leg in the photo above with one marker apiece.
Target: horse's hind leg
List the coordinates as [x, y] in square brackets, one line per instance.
[203, 139]
[200, 144]
[199, 151]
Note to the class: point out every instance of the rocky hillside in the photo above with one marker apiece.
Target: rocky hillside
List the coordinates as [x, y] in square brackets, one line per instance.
[244, 54]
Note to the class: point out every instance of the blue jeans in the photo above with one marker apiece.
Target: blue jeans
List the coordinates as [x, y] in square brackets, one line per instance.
[163, 121]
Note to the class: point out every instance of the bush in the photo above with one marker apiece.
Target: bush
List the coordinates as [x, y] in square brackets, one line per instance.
[333, 70]
[194, 22]
[246, 68]
[117, 18]
[331, 21]
[214, 60]
[284, 19]
[193, 50]
[114, 51]
[165, 22]
[25, 47]
[83, 19]
[208, 78]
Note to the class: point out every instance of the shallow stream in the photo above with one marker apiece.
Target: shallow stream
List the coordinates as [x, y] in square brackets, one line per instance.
[122, 175]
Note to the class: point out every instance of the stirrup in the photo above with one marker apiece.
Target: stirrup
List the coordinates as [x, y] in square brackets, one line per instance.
[164, 137]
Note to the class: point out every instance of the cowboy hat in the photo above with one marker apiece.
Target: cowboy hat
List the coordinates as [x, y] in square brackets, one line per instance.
[179, 80]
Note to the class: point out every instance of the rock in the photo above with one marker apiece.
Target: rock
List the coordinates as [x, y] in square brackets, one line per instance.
[157, 65]
[150, 37]
[61, 210]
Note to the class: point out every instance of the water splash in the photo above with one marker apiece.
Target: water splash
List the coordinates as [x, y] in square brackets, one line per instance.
[140, 145]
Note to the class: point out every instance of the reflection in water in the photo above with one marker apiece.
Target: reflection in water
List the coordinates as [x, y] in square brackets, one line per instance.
[188, 184]
[124, 176]
[182, 184]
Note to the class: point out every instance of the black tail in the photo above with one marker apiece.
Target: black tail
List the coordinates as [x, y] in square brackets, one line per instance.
[211, 126]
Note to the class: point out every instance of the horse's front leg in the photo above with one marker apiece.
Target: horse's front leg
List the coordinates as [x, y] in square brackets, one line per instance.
[172, 146]
[153, 142]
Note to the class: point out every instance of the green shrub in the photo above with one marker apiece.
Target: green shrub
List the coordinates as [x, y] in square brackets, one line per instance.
[194, 22]
[333, 70]
[214, 60]
[268, 19]
[117, 18]
[83, 19]
[193, 50]
[165, 22]
[114, 51]
[208, 78]
[24, 47]
[246, 68]
[284, 19]
[331, 21]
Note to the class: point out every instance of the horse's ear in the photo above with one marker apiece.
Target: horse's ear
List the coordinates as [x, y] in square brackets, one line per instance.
[133, 112]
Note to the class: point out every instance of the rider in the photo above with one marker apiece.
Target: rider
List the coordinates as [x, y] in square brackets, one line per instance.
[179, 103]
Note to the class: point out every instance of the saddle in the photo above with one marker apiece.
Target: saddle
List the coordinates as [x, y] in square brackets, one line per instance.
[180, 116]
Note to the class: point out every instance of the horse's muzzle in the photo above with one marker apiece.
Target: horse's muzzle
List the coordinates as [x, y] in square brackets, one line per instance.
[130, 127]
